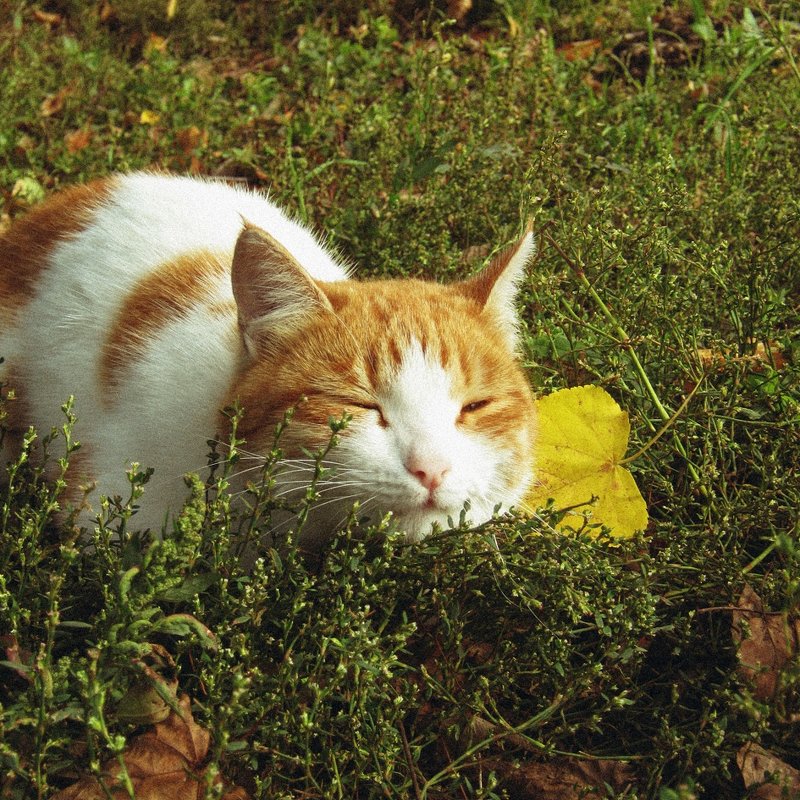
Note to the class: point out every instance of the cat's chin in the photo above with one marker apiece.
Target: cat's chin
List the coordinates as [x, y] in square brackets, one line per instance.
[418, 524]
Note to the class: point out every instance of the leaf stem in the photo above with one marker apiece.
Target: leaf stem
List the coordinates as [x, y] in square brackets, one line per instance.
[665, 427]
[625, 342]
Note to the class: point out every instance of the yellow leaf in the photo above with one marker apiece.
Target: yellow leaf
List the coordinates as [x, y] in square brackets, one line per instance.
[172, 8]
[583, 435]
[148, 117]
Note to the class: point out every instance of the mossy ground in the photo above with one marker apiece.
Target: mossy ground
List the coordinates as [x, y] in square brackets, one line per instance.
[419, 147]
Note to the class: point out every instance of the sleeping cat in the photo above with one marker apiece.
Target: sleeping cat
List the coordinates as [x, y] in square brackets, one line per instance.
[157, 301]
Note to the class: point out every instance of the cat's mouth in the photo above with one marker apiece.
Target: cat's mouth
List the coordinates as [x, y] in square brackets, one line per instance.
[431, 503]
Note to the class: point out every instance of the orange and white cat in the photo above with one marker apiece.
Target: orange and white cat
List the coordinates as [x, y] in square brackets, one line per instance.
[157, 301]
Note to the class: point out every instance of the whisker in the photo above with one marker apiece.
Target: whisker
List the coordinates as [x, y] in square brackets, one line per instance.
[308, 471]
[327, 486]
[319, 492]
[245, 471]
[291, 519]
[237, 448]
[222, 460]
[361, 508]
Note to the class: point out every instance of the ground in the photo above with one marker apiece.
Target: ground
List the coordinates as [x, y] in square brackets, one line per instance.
[655, 150]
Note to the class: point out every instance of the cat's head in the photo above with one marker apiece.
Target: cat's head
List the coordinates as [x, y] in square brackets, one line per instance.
[442, 413]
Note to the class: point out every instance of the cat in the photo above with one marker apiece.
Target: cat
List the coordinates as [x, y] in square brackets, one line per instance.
[158, 300]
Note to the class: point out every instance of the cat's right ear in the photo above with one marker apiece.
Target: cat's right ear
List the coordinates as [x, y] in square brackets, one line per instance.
[495, 287]
[274, 295]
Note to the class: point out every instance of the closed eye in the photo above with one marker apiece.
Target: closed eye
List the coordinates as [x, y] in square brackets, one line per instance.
[477, 405]
[382, 421]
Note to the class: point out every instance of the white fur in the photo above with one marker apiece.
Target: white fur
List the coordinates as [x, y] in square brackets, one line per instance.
[422, 412]
[167, 406]
[501, 303]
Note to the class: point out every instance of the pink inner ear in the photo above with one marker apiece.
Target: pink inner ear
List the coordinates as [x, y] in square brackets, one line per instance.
[505, 268]
[495, 287]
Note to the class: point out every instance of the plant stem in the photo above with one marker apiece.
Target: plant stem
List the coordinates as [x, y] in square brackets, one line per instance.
[625, 343]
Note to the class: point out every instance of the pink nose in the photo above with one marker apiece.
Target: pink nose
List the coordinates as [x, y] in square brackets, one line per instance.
[429, 471]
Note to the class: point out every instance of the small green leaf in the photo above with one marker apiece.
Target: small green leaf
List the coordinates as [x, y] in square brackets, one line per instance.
[191, 587]
[183, 625]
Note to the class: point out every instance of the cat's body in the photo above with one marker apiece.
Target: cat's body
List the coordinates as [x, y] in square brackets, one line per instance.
[157, 301]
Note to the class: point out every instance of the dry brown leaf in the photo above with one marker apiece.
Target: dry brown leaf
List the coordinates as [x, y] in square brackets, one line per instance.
[758, 766]
[189, 139]
[458, 9]
[54, 103]
[78, 140]
[17, 658]
[49, 18]
[770, 353]
[765, 646]
[559, 779]
[580, 50]
[567, 779]
[164, 763]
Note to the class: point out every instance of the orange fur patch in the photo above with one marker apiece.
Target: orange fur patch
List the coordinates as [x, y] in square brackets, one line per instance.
[223, 309]
[26, 246]
[348, 356]
[168, 293]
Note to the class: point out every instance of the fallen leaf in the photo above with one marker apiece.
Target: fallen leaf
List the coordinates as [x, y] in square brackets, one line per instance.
[149, 117]
[774, 779]
[580, 50]
[54, 103]
[47, 17]
[142, 705]
[189, 139]
[16, 658]
[583, 435]
[164, 763]
[770, 353]
[567, 779]
[78, 140]
[765, 643]
[760, 354]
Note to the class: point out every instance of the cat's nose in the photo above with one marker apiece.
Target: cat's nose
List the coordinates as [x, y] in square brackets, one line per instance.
[430, 471]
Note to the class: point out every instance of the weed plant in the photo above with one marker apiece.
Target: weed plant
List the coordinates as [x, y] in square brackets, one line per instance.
[668, 222]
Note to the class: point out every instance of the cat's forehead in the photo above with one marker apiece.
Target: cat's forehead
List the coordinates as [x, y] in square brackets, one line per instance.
[406, 300]
[435, 315]
[382, 331]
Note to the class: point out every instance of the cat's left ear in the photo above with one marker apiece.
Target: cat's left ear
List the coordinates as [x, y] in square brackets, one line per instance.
[274, 294]
[495, 287]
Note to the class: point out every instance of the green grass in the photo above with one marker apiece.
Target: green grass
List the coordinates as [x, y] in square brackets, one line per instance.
[672, 201]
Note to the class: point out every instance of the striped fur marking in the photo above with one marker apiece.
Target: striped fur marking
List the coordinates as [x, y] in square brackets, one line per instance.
[167, 294]
[26, 247]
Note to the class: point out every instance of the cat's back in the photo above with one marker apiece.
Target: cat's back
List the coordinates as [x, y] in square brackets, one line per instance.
[118, 228]
[78, 255]
[119, 293]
